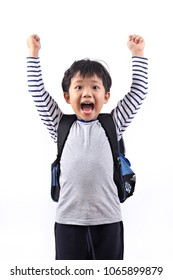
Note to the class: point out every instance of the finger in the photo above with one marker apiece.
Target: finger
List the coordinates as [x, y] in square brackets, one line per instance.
[36, 37]
[141, 40]
[136, 38]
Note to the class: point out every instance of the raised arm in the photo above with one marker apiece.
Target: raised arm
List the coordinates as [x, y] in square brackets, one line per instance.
[128, 107]
[46, 106]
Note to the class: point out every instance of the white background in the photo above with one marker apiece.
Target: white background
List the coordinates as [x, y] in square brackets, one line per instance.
[72, 30]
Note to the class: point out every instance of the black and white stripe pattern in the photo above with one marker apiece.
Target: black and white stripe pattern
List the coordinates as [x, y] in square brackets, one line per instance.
[46, 106]
[124, 112]
[127, 107]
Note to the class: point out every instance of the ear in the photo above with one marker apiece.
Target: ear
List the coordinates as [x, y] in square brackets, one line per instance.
[67, 97]
[107, 96]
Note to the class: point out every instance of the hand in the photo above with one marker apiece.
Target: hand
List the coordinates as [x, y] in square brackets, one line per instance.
[34, 45]
[136, 44]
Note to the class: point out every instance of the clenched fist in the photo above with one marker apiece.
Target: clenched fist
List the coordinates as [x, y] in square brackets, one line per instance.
[136, 44]
[34, 45]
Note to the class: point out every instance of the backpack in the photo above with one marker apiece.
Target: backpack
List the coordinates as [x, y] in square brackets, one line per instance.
[124, 176]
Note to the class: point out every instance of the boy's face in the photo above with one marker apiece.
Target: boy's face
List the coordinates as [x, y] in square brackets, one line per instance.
[86, 96]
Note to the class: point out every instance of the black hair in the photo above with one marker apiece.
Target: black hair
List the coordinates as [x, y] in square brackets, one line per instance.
[87, 68]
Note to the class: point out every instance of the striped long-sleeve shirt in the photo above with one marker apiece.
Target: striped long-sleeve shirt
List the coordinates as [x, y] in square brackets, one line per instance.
[88, 193]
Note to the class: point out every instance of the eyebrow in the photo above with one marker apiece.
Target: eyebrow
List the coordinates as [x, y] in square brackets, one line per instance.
[94, 81]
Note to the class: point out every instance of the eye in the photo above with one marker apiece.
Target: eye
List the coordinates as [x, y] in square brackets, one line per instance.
[95, 87]
[78, 87]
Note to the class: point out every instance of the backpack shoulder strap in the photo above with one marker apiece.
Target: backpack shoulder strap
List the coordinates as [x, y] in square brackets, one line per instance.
[109, 127]
[63, 130]
[108, 124]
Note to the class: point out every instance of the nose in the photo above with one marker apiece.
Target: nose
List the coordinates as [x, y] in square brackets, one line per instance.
[87, 93]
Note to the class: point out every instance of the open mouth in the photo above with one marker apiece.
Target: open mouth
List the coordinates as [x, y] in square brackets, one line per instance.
[87, 107]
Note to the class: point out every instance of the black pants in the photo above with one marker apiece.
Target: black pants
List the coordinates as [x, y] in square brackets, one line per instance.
[101, 242]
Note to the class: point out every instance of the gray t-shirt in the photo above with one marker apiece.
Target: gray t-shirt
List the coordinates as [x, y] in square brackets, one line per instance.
[88, 193]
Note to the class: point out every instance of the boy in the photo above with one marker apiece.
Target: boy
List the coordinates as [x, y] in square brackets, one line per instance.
[88, 219]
